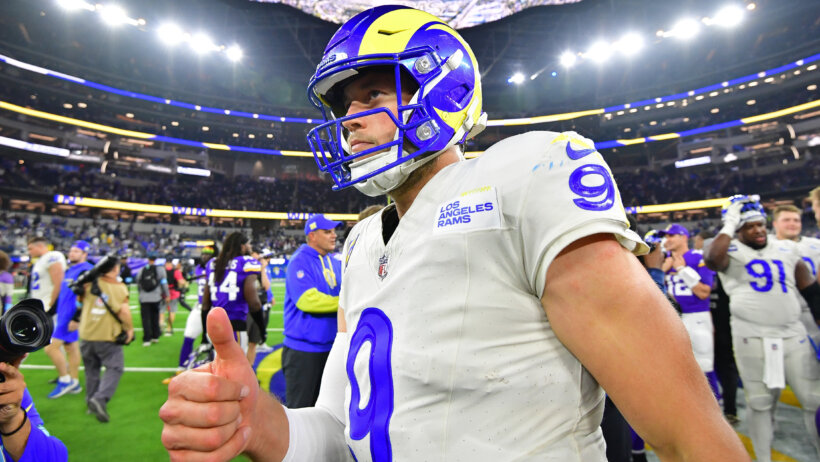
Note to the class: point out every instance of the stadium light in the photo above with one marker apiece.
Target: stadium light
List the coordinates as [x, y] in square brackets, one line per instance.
[170, 34]
[75, 4]
[517, 78]
[685, 29]
[728, 16]
[629, 44]
[201, 43]
[568, 59]
[113, 15]
[234, 53]
[599, 52]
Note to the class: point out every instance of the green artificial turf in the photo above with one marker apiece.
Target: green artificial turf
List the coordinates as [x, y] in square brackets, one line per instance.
[133, 434]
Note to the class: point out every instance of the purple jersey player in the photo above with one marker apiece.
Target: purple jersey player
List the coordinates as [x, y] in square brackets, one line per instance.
[229, 286]
[227, 292]
[689, 282]
[688, 300]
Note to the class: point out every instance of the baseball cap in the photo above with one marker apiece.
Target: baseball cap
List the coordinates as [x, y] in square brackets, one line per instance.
[674, 228]
[319, 221]
[207, 250]
[82, 245]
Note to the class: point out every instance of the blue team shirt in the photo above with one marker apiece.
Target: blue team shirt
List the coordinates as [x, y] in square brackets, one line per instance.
[269, 271]
[41, 446]
[67, 301]
[688, 301]
[228, 293]
[311, 332]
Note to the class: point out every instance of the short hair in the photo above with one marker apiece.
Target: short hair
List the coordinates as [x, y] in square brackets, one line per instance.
[706, 234]
[371, 210]
[5, 261]
[785, 208]
[38, 239]
[814, 194]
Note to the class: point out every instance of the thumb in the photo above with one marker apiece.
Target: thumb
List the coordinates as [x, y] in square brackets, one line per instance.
[221, 334]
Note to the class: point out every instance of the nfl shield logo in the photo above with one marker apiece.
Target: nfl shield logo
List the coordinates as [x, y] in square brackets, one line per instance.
[383, 267]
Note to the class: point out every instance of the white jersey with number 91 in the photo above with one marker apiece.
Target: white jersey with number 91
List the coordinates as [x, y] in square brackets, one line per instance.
[763, 297]
[451, 355]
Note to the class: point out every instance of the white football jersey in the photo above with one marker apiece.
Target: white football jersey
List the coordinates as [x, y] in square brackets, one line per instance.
[809, 250]
[451, 355]
[762, 290]
[41, 284]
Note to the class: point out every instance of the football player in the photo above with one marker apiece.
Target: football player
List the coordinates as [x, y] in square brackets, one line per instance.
[68, 372]
[47, 273]
[787, 226]
[689, 282]
[482, 309]
[193, 326]
[232, 286]
[762, 279]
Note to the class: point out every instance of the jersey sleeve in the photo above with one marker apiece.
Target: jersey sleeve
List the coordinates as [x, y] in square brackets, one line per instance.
[251, 266]
[301, 285]
[570, 194]
[55, 257]
[707, 276]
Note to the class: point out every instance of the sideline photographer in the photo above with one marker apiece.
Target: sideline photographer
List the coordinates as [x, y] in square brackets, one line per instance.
[24, 328]
[105, 325]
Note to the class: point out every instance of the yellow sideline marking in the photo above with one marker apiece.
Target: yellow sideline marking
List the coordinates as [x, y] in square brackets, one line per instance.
[777, 456]
[268, 367]
[788, 397]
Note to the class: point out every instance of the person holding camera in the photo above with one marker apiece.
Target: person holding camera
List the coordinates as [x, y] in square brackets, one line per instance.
[68, 372]
[105, 325]
[23, 436]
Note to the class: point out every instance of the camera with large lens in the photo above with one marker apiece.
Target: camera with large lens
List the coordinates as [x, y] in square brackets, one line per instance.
[24, 328]
[103, 266]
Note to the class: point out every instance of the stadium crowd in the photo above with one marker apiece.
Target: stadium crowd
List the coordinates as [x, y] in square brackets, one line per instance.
[639, 187]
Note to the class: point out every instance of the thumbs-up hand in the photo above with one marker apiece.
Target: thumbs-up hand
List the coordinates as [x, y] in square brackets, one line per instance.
[210, 408]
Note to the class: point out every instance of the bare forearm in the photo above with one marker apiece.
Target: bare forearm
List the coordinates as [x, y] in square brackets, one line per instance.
[649, 373]
[717, 258]
[125, 317]
[271, 434]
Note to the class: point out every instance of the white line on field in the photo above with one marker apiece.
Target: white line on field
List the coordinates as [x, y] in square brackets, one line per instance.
[270, 329]
[127, 369]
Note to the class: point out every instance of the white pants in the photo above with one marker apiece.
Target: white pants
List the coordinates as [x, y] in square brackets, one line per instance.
[802, 372]
[193, 326]
[702, 335]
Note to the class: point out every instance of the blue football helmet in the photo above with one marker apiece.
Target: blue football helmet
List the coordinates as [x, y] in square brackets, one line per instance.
[423, 52]
[653, 238]
[751, 211]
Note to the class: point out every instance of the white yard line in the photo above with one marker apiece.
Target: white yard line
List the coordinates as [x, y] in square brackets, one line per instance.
[270, 329]
[127, 369]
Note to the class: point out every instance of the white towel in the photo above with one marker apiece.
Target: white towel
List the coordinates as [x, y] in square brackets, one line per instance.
[774, 375]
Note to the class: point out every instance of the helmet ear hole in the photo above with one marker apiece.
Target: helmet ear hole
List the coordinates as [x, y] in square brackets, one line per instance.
[459, 94]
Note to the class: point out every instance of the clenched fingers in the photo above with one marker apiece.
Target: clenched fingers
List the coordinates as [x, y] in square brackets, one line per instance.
[230, 449]
[199, 415]
[198, 439]
[204, 388]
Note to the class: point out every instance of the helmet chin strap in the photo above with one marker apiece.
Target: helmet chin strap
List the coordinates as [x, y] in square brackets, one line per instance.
[388, 180]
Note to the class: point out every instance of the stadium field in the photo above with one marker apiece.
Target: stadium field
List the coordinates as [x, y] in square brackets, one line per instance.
[133, 434]
[135, 428]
